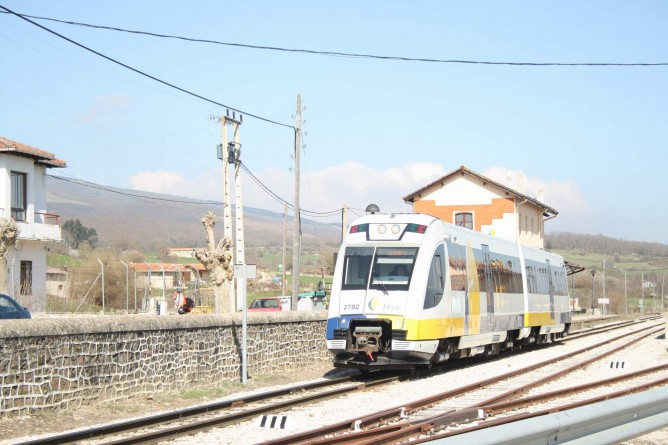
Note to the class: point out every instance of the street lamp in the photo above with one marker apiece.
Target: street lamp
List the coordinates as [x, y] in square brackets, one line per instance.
[593, 272]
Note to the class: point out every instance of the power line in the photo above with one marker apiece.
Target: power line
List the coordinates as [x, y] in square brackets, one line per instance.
[194, 202]
[283, 201]
[143, 73]
[338, 53]
[111, 190]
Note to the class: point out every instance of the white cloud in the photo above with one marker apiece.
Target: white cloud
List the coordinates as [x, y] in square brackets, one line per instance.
[353, 184]
[357, 185]
[575, 213]
[159, 181]
[105, 105]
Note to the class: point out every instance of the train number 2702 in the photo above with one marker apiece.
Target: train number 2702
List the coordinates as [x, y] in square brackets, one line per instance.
[351, 307]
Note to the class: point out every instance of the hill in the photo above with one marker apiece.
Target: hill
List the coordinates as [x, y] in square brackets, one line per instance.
[127, 218]
[131, 219]
[603, 244]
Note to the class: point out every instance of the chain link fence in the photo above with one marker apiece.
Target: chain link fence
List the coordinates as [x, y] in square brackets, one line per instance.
[117, 287]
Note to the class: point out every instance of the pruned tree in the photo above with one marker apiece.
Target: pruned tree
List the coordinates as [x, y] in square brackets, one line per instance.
[9, 233]
[218, 261]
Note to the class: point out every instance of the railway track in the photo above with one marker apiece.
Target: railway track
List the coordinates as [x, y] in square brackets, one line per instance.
[199, 418]
[451, 411]
[189, 421]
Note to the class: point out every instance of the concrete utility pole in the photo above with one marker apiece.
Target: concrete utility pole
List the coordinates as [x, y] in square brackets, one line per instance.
[230, 152]
[284, 284]
[296, 242]
[604, 296]
[593, 272]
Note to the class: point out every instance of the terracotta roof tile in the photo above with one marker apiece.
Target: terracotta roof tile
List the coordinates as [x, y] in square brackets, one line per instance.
[41, 156]
[159, 267]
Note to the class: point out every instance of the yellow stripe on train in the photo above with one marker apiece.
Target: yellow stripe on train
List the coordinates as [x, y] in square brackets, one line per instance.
[538, 319]
[434, 328]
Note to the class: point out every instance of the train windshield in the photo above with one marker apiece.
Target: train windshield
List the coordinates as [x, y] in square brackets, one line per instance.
[390, 268]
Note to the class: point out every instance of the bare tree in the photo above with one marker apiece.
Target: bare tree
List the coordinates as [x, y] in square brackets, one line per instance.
[218, 261]
[9, 233]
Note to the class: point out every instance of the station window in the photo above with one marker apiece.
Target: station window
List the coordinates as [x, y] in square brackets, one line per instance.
[464, 219]
[26, 277]
[19, 201]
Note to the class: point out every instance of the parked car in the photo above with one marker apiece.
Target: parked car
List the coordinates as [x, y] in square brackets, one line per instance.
[9, 308]
[270, 304]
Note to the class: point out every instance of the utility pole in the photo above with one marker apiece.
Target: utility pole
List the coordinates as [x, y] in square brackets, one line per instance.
[296, 242]
[284, 284]
[593, 272]
[239, 244]
[230, 152]
[642, 293]
[604, 305]
[343, 222]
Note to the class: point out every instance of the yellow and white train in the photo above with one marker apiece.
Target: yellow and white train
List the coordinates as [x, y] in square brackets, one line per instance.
[412, 290]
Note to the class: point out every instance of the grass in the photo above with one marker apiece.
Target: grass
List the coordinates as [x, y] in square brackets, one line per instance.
[616, 264]
[54, 260]
[63, 305]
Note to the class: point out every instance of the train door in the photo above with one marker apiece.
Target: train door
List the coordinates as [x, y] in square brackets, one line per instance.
[550, 282]
[489, 286]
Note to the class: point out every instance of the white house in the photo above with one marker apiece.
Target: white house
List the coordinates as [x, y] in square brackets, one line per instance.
[469, 199]
[23, 198]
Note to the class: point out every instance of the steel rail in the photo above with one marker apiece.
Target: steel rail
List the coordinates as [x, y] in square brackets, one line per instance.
[143, 422]
[395, 433]
[607, 327]
[379, 418]
[529, 415]
[502, 406]
[228, 419]
[562, 372]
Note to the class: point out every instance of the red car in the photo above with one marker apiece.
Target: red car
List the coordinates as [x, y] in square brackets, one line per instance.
[270, 304]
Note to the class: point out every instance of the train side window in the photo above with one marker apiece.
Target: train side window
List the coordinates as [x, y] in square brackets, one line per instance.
[457, 260]
[435, 280]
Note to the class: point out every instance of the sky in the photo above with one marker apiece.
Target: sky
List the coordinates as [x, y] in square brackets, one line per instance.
[594, 138]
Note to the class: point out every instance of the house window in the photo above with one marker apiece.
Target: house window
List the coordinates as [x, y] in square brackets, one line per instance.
[19, 202]
[464, 220]
[26, 277]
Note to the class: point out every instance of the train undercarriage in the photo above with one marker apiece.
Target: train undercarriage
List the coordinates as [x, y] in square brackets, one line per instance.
[372, 344]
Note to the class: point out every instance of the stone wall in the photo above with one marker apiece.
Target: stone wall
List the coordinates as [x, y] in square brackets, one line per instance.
[68, 362]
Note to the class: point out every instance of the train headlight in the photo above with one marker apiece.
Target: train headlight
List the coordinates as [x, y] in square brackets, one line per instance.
[395, 229]
[382, 229]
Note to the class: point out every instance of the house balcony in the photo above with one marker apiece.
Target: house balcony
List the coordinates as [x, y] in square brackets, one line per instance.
[45, 228]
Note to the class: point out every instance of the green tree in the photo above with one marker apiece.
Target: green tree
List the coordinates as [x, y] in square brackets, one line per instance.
[78, 233]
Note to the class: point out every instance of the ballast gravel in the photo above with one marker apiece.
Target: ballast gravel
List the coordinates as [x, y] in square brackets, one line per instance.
[649, 352]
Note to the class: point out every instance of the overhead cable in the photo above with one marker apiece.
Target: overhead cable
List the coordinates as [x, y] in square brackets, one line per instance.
[133, 195]
[343, 54]
[183, 90]
[283, 201]
[193, 201]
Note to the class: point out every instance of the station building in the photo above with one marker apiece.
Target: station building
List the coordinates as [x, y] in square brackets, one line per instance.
[469, 199]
